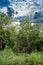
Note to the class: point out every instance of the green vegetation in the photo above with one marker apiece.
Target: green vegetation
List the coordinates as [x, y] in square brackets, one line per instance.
[7, 57]
[20, 46]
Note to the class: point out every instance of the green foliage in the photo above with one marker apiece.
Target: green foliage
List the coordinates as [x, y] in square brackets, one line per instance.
[7, 57]
[29, 38]
[4, 21]
[12, 37]
[26, 39]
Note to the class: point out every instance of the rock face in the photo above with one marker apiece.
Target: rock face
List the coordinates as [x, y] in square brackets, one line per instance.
[20, 8]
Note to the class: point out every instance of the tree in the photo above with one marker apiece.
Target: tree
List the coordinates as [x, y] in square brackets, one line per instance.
[29, 38]
[4, 21]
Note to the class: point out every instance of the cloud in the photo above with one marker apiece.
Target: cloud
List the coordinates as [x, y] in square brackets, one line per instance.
[3, 10]
[23, 8]
[38, 16]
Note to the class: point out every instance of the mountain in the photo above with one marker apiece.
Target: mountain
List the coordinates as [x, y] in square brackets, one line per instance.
[18, 9]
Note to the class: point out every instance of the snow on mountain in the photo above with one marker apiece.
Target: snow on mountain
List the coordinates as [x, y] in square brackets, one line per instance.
[18, 8]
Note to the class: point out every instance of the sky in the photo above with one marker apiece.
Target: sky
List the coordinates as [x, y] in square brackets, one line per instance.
[18, 8]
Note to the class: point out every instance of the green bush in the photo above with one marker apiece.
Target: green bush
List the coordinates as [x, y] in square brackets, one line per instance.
[28, 39]
[4, 22]
[24, 38]
[7, 57]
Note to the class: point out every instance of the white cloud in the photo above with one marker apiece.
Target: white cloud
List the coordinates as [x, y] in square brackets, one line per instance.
[24, 8]
[27, 7]
[4, 10]
[21, 8]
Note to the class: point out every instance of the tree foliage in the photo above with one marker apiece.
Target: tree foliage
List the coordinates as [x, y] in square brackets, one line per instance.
[4, 21]
[25, 39]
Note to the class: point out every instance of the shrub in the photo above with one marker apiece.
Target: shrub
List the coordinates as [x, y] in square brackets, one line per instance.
[7, 57]
[28, 39]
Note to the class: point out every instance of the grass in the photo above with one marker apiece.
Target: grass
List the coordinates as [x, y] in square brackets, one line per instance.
[7, 57]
